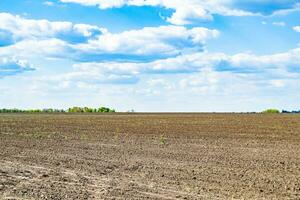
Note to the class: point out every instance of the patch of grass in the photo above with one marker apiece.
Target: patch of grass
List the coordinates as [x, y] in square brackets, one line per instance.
[83, 137]
[162, 140]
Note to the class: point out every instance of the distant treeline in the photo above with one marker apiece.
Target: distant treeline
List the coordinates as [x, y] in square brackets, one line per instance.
[294, 111]
[102, 110]
[278, 111]
[70, 110]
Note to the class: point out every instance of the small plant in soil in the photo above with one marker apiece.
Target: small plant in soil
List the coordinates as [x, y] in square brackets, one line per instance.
[162, 140]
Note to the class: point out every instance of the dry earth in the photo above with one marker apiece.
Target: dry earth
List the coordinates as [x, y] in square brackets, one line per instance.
[149, 156]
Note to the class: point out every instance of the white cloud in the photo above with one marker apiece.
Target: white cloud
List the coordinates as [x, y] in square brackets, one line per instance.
[48, 3]
[212, 67]
[12, 66]
[296, 28]
[21, 28]
[149, 46]
[49, 48]
[189, 11]
[153, 41]
[83, 42]
[186, 11]
[187, 14]
[289, 59]
[282, 24]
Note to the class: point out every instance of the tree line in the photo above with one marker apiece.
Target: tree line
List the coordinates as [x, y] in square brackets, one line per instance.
[274, 111]
[69, 110]
[294, 111]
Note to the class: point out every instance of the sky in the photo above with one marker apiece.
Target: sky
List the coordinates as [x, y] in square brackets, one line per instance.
[150, 55]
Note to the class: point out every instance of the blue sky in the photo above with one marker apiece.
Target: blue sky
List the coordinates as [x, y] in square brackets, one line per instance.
[152, 55]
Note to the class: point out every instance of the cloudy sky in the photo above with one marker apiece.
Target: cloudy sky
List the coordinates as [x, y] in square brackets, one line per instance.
[150, 55]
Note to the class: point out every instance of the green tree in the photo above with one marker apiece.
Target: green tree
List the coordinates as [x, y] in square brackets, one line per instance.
[271, 111]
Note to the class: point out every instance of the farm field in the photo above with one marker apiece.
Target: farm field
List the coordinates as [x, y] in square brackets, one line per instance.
[149, 156]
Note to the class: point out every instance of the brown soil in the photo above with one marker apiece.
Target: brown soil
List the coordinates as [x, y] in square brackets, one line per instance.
[150, 156]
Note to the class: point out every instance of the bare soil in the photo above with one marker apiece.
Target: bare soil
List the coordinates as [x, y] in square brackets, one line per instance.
[149, 156]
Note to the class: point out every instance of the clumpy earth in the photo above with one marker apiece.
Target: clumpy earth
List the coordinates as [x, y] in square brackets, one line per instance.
[149, 156]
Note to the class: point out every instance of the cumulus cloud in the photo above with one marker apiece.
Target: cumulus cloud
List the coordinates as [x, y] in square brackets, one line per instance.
[12, 66]
[83, 42]
[126, 55]
[185, 11]
[48, 48]
[188, 14]
[289, 61]
[267, 69]
[152, 42]
[189, 11]
[22, 29]
[296, 28]
[122, 73]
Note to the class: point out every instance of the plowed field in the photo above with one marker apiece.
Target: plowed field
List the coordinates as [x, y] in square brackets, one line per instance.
[149, 156]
